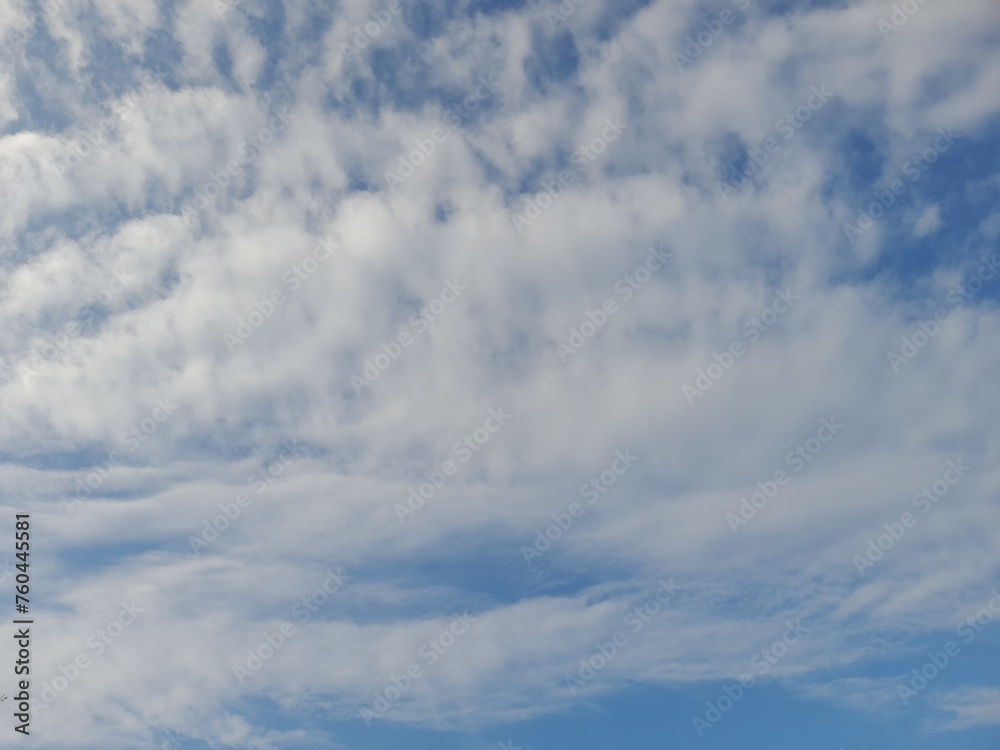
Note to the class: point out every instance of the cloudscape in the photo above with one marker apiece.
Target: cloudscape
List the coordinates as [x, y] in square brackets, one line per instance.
[479, 374]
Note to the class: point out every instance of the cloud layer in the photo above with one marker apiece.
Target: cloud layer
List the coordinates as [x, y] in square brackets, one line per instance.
[233, 217]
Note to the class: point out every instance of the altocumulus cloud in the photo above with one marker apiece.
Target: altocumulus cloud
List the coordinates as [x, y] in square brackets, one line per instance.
[308, 302]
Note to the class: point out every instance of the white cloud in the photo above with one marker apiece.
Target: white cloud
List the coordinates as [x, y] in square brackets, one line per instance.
[63, 240]
[970, 707]
[928, 222]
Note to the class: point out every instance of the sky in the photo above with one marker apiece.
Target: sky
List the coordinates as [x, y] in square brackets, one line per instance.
[483, 374]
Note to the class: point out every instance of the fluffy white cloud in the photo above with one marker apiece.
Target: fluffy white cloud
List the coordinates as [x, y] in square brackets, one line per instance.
[205, 203]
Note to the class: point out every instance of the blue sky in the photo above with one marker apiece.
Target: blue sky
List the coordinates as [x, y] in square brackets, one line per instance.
[479, 374]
